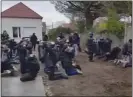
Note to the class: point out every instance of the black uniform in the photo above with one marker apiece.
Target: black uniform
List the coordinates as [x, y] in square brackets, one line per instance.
[101, 46]
[33, 40]
[90, 45]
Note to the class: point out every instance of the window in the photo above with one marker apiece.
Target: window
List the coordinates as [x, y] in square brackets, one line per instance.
[16, 32]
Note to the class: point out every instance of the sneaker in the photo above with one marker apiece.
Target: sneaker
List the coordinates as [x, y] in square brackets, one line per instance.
[7, 71]
[80, 72]
[74, 64]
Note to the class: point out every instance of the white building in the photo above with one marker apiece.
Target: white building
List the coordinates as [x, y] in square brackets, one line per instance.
[20, 21]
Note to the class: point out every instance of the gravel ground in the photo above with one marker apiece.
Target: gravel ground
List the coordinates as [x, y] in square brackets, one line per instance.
[99, 79]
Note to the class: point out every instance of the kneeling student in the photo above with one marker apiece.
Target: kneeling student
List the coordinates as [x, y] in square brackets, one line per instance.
[32, 69]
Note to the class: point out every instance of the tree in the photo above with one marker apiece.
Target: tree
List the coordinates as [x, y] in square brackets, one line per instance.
[114, 26]
[101, 28]
[121, 7]
[4, 36]
[90, 9]
[80, 26]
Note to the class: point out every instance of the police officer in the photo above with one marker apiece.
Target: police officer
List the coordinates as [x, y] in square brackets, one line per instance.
[90, 46]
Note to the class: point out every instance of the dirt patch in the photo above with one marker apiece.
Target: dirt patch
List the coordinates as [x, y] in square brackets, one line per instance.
[99, 79]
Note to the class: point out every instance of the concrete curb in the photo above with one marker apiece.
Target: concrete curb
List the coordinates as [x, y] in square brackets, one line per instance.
[47, 88]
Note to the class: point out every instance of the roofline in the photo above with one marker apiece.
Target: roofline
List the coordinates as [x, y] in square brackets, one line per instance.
[21, 17]
[32, 10]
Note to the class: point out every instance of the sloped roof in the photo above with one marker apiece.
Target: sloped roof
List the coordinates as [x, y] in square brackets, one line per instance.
[20, 11]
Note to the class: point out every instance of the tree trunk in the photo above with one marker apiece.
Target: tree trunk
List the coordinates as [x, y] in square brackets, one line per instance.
[89, 20]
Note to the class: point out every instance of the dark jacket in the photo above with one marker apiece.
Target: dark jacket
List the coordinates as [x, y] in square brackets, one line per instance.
[45, 38]
[61, 36]
[76, 38]
[22, 53]
[33, 39]
[114, 53]
[101, 44]
[33, 65]
[50, 57]
[12, 44]
[107, 45]
[91, 45]
[127, 48]
[71, 39]
[6, 65]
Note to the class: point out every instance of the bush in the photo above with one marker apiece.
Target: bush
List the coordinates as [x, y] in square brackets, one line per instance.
[4, 37]
[112, 25]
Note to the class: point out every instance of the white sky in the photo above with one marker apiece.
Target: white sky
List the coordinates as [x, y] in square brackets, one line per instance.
[44, 8]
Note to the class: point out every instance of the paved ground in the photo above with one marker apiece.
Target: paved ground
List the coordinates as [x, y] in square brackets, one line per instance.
[12, 86]
[99, 79]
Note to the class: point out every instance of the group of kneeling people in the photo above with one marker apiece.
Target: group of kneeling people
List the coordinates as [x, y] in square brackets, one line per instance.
[102, 49]
[58, 58]
[22, 51]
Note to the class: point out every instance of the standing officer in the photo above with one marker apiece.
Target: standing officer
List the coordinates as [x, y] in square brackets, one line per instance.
[33, 40]
[90, 46]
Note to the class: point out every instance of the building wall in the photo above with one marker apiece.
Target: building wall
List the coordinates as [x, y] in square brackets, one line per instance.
[8, 23]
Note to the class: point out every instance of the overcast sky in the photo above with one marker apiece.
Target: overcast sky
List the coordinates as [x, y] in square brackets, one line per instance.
[44, 8]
